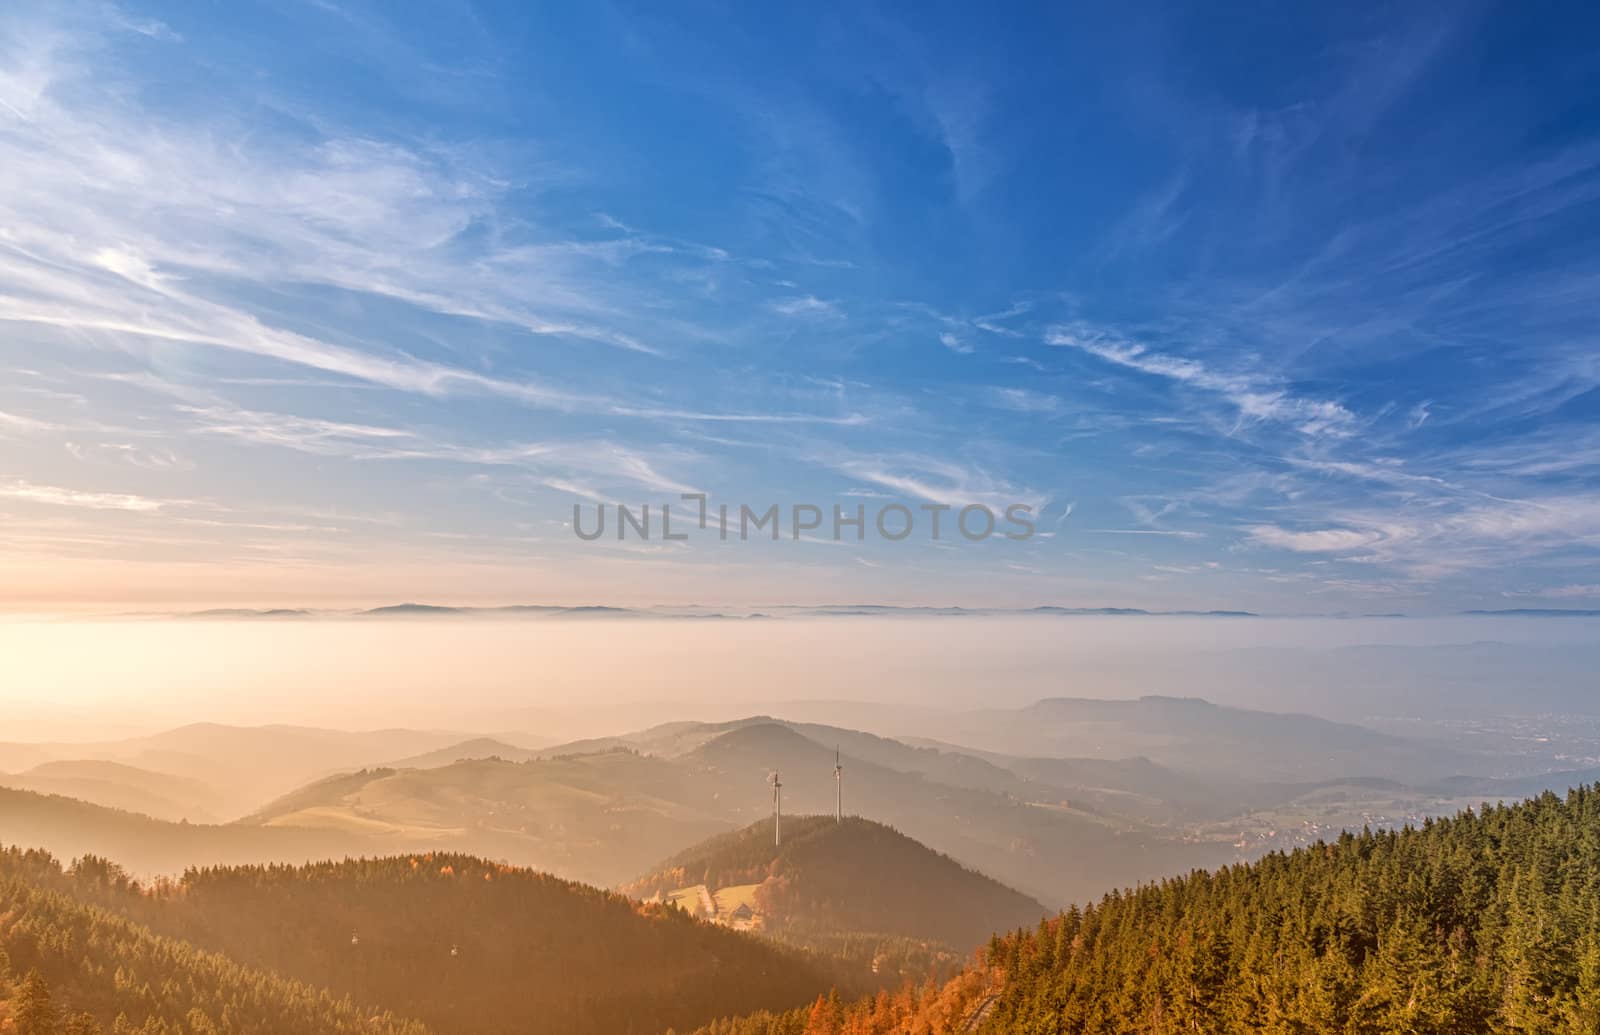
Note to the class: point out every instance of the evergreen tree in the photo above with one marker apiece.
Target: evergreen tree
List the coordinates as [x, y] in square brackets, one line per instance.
[1484, 924]
[81, 1024]
[32, 1011]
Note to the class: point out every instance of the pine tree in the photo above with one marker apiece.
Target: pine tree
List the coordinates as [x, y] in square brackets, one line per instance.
[1487, 923]
[32, 1011]
[81, 1024]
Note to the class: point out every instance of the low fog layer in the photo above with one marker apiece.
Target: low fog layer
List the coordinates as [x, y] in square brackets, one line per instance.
[78, 679]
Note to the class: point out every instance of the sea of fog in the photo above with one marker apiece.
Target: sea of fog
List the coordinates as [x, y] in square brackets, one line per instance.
[558, 678]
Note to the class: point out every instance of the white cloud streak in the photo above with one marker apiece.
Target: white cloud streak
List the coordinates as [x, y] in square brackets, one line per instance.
[1438, 539]
[1023, 400]
[935, 480]
[55, 496]
[583, 467]
[122, 226]
[1255, 397]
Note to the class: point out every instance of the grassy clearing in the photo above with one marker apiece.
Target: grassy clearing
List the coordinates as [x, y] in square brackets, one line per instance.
[733, 896]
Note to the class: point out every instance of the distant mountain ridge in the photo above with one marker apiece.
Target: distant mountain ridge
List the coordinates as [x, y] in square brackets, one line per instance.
[425, 610]
[241, 766]
[1102, 783]
[417, 609]
[68, 827]
[477, 747]
[1193, 734]
[121, 786]
[1540, 612]
[604, 810]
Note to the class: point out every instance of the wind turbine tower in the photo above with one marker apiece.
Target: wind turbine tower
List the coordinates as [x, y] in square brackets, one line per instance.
[777, 808]
[838, 788]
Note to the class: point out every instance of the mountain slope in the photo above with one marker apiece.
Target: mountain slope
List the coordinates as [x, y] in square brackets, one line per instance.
[607, 816]
[1197, 736]
[850, 876]
[69, 828]
[601, 818]
[90, 961]
[1055, 852]
[119, 786]
[466, 750]
[1161, 760]
[1480, 923]
[468, 946]
[242, 765]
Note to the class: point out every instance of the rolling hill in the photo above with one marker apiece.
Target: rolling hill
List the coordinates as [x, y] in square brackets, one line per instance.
[462, 945]
[1161, 760]
[120, 786]
[600, 818]
[831, 878]
[1053, 851]
[1058, 828]
[466, 750]
[607, 815]
[243, 766]
[1196, 736]
[70, 828]
[944, 763]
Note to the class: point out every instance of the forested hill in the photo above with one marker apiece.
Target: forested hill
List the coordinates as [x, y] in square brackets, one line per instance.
[67, 968]
[849, 876]
[1487, 922]
[479, 948]
[465, 946]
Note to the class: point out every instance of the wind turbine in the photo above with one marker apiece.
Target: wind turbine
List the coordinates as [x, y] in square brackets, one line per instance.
[838, 788]
[777, 808]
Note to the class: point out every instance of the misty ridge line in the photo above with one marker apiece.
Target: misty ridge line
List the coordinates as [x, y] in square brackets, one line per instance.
[667, 612]
[771, 612]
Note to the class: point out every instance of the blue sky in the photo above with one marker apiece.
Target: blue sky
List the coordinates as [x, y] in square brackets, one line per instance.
[1287, 310]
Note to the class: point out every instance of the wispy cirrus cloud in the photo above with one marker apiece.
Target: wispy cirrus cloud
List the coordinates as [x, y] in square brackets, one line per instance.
[808, 306]
[1375, 364]
[126, 224]
[935, 479]
[21, 423]
[1023, 400]
[307, 434]
[955, 343]
[587, 467]
[57, 496]
[1320, 540]
[1171, 533]
[999, 323]
[195, 321]
[1255, 397]
[1571, 591]
[699, 416]
[1444, 538]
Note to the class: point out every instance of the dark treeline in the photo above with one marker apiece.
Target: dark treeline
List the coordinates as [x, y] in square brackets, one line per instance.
[68, 968]
[461, 944]
[1487, 922]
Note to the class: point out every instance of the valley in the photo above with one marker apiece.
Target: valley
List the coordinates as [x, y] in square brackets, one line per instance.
[799, 519]
[459, 846]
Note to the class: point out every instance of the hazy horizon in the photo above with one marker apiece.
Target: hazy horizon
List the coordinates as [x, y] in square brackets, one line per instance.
[273, 338]
[473, 474]
[471, 674]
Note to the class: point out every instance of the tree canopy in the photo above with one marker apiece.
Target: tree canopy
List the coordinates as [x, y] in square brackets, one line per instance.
[1485, 922]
